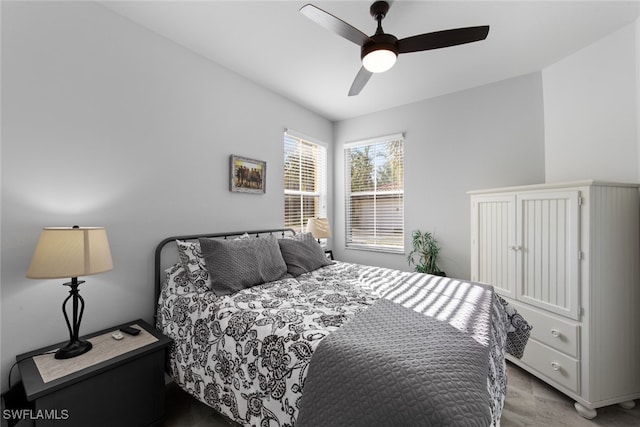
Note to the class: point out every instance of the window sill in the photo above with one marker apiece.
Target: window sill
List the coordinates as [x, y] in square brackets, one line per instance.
[395, 251]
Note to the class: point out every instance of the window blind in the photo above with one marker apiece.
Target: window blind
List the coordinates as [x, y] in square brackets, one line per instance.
[374, 171]
[305, 181]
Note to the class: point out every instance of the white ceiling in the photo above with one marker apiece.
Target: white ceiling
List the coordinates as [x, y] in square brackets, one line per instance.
[272, 44]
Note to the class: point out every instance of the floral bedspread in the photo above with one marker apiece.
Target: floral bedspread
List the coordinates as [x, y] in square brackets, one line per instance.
[247, 354]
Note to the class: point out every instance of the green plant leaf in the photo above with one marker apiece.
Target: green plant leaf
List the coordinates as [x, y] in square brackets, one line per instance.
[424, 253]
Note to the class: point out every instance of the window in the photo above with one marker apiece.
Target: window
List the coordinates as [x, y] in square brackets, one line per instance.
[374, 179]
[305, 181]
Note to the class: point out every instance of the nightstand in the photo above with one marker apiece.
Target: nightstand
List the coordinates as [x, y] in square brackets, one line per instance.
[117, 383]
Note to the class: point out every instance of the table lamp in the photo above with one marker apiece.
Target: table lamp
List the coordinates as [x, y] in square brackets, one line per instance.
[319, 227]
[71, 252]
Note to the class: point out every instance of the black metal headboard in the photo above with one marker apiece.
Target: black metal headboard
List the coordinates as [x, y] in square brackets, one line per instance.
[168, 240]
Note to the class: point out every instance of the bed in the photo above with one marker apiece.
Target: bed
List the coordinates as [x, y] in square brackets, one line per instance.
[269, 332]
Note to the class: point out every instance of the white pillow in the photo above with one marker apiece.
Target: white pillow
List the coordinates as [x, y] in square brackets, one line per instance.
[192, 261]
[176, 280]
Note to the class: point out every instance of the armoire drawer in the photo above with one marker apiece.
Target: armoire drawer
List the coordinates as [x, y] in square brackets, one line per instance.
[558, 367]
[549, 329]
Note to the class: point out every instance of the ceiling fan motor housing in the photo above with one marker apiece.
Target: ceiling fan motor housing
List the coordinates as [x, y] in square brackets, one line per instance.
[379, 54]
[380, 41]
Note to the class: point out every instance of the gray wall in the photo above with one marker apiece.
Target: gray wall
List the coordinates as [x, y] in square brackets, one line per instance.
[106, 123]
[491, 136]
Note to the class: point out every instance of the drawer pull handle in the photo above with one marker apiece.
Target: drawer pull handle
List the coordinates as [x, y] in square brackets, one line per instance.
[555, 366]
[516, 247]
[555, 333]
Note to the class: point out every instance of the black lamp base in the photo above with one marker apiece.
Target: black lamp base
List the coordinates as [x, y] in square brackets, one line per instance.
[75, 346]
[73, 349]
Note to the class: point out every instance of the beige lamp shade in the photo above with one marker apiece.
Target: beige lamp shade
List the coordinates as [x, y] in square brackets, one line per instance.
[319, 227]
[70, 252]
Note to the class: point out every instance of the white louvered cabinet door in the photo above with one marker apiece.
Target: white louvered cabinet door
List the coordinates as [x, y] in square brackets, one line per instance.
[493, 238]
[548, 246]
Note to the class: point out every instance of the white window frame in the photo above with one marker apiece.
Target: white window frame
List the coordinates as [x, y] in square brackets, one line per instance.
[321, 191]
[377, 242]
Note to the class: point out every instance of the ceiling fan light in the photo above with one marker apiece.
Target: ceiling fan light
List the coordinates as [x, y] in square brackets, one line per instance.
[379, 61]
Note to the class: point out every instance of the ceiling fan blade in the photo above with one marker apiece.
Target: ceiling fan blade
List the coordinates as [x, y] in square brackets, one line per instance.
[334, 24]
[439, 39]
[361, 79]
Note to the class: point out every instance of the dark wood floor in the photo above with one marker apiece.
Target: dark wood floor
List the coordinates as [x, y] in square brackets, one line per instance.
[184, 411]
[529, 402]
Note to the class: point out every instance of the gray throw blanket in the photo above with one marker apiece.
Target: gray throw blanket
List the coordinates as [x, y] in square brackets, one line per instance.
[417, 357]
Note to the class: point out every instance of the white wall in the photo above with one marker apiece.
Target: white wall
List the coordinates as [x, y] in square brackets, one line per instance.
[591, 112]
[106, 123]
[491, 136]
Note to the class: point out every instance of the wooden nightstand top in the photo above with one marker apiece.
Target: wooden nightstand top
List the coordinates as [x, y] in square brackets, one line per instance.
[33, 382]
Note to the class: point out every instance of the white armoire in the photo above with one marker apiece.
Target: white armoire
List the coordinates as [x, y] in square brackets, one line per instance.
[567, 256]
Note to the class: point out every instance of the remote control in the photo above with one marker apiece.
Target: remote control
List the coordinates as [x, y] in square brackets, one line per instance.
[129, 330]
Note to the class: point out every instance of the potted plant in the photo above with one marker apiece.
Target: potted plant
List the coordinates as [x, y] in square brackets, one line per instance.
[425, 253]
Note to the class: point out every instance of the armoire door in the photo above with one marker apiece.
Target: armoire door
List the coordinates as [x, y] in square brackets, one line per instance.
[548, 251]
[493, 237]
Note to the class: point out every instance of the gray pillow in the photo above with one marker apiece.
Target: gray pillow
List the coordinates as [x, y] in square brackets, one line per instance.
[303, 254]
[234, 265]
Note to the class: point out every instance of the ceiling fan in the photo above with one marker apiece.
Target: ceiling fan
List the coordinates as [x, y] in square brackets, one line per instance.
[380, 51]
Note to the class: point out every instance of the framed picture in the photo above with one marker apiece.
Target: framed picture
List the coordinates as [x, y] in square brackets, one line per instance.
[247, 175]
